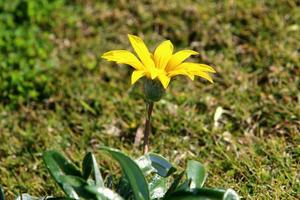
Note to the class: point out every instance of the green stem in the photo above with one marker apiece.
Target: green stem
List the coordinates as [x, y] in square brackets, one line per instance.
[147, 126]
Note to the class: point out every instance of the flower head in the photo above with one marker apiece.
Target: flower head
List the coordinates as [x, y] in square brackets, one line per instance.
[161, 65]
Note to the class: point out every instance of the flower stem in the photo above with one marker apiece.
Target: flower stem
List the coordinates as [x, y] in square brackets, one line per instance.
[147, 126]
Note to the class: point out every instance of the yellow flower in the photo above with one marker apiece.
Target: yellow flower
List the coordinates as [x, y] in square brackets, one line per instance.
[162, 64]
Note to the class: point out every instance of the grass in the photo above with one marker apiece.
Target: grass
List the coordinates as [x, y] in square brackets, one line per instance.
[254, 46]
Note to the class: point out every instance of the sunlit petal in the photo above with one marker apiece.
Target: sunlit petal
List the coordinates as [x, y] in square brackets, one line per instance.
[123, 57]
[141, 50]
[162, 54]
[178, 58]
[196, 66]
[153, 73]
[136, 75]
[181, 72]
[203, 75]
[164, 79]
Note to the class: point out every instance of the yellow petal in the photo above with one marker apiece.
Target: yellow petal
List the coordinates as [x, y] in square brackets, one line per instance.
[162, 54]
[203, 75]
[197, 70]
[136, 75]
[181, 72]
[178, 58]
[141, 50]
[196, 67]
[153, 73]
[124, 57]
[164, 79]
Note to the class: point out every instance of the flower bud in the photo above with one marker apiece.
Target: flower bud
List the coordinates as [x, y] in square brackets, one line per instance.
[153, 90]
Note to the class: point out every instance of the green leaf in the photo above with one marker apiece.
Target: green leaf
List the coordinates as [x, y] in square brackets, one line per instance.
[87, 107]
[158, 187]
[2, 196]
[104, 193]
[145, 164]
[79, 185]
[124, 188]
[230, 194]
[197, 173]
[185, 186]
[133, 173]
[57, 161]
[163, 167]
[28, 197]
[204, 194]
[175, 184]
[109, 181]
[69, 190]
[59, 166]
[89, 164]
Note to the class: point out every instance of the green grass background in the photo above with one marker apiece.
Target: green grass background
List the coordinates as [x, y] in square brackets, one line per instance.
[57, 93]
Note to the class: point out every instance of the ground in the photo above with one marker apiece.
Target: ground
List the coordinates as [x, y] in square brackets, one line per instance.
[86, 102]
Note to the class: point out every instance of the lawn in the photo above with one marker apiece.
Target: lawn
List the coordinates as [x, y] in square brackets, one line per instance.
[57, 93]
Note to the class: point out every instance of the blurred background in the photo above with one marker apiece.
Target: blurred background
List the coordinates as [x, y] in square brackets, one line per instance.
[57, 93]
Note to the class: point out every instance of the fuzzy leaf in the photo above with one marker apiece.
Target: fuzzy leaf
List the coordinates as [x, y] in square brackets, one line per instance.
[163, 167]
[196, 172]
[158, 187]
[174, 184]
